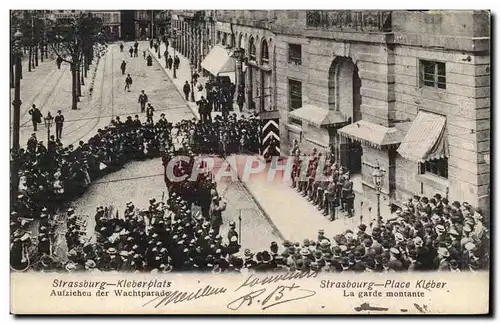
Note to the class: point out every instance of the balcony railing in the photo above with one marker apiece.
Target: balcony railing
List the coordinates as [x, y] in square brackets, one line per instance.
[347, 20]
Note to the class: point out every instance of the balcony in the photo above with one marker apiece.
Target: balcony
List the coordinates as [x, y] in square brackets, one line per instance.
[350, 21]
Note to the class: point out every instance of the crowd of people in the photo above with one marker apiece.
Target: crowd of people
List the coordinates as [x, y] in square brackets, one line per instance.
[54, 174]
[183, 233]
[425, 234]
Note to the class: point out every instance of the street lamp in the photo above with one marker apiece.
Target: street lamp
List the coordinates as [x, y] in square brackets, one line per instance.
[16, 104]
[378, 176]
[48, 123]
[174, 45]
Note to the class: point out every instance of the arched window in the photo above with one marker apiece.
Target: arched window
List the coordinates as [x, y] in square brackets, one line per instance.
[264, 52]
[253, 50]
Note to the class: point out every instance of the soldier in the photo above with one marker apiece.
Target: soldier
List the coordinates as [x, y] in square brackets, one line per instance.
[128, 82]
[143, 99]
[330, 206]
[123, 66]
[36, 116]
[59, 120]
[216, 209]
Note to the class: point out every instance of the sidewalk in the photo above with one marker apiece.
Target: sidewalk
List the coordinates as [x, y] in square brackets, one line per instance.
[183, 74]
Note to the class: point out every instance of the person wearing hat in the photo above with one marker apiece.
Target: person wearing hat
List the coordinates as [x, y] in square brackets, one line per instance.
[395, 263]
[443, 255]
[232, 231]
[216, 208]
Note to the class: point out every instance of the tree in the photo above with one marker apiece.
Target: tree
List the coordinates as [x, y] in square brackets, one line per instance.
[75, 38]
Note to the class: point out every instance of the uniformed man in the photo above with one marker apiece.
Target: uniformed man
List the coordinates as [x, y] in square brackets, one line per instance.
[216, 208]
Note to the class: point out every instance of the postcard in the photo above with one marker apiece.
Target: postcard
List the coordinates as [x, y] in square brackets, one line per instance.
[250, 162]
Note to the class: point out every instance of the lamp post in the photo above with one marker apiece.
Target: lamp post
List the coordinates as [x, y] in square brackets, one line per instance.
[17, 107]
[191, 66]
[48, 123]
[378, 176]
[174, 39]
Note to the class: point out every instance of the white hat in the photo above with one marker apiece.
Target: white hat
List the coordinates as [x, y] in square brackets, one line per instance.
[443, 252]
[470, 246]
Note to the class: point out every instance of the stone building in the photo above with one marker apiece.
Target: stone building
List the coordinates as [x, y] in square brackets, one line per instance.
[406, 90]
[249, 32]
[194, 29]
[111, 21]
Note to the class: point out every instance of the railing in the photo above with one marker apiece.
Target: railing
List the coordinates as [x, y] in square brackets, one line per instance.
[347, 20]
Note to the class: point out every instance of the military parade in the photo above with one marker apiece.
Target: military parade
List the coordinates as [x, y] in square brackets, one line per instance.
[193, 226]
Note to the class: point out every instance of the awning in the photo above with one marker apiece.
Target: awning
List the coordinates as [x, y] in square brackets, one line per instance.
[372, 134]
[426, 138]
[318, 116]
[218, 60]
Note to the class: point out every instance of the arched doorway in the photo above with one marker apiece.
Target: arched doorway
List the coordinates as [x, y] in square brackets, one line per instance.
[265, 78]
[344, 96]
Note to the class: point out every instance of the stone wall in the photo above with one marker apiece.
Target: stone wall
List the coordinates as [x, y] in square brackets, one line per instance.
[465, 102]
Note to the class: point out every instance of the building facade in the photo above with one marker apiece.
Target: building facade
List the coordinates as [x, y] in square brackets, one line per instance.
[249, 31]
[406, 90]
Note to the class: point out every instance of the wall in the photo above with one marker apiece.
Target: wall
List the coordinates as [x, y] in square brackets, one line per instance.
[465, 101]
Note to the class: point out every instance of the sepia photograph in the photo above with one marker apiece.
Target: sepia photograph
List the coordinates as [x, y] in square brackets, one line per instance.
[342, 151]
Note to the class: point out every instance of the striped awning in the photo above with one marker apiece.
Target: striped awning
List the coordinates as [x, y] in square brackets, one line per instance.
[218, 61]
[371, 134]
[317, 116]
[426, 139]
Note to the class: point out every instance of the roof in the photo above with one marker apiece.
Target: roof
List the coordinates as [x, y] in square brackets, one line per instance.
[218, 61]
[318, 116]
[372, 134]
[426, 138]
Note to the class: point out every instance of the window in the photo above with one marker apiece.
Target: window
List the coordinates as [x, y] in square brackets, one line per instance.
[253, 50]
[295, 98]
[295, 54]
[264, 53]
[436, 167]
[432, 74]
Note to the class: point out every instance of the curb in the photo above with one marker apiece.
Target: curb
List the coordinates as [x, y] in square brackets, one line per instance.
[266, 215]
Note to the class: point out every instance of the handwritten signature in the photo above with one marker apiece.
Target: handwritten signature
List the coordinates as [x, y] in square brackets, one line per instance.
[280, 295]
